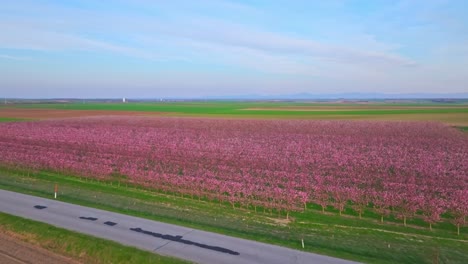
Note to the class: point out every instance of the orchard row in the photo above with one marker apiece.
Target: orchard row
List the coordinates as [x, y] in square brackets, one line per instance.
[402, 168]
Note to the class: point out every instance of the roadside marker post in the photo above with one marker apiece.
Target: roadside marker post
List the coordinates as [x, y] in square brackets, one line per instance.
[55, 191]
[302, 240]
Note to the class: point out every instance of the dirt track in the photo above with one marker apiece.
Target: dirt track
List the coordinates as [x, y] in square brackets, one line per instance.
[15, 251]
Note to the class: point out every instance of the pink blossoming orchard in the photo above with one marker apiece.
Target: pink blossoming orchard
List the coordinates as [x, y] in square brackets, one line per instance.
[400, 168]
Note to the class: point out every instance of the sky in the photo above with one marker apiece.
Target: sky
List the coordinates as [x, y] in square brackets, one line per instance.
[186, 48]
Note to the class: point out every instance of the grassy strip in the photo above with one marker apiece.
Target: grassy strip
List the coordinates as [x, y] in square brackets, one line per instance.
[347, 237]
[8, 119]
[84, 248]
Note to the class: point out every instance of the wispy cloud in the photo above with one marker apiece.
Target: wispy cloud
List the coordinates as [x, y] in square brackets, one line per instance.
[220, 33]
[31, 38]
[10, 57]
[191, 29]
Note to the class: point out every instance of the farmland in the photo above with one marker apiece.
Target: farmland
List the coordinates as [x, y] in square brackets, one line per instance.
[275, 177]
[453, 114]
[399, 173]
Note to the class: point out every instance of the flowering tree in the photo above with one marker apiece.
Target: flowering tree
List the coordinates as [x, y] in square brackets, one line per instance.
[458, 207]
[432, 208]
[360, 198]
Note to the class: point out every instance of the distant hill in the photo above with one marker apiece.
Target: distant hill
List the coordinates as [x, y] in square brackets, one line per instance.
[352, 96]
[435, 97]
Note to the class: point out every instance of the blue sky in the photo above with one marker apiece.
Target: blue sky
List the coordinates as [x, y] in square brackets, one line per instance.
[144, 48]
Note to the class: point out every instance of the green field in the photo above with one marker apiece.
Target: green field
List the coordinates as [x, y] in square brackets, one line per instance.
[453, 114]
[84, 248]
[276, 108]
[346, 236]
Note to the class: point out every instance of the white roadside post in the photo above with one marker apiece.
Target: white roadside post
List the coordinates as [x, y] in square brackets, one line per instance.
[55, 191]
[302, 240]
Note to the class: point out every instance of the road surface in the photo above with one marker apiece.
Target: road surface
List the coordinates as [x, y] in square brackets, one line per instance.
[164, 239]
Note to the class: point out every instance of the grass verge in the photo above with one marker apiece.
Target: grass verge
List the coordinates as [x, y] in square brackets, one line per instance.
[7, 119]
[80, 247]
[347, 237]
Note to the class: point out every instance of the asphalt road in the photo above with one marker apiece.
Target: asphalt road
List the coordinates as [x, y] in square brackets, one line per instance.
[165, 239]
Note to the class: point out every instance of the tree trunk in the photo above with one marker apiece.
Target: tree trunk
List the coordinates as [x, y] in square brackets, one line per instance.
[287, 215]
[323, 209]
[430, 226]
[404, 220]
[458, 229]
[381, 219]
[360, 215]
